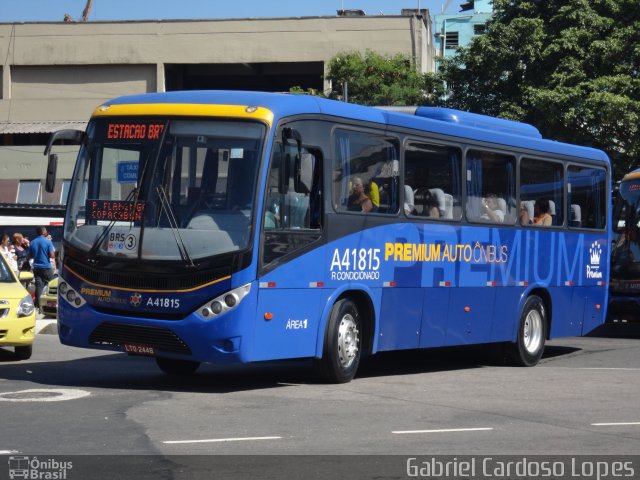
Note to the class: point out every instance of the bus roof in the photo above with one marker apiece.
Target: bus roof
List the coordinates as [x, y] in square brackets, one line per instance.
[463, 125]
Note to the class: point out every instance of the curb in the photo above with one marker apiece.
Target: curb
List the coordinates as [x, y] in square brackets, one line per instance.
[49, 327]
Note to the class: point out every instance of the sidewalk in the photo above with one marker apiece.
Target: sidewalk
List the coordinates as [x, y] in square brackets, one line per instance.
[46, 325]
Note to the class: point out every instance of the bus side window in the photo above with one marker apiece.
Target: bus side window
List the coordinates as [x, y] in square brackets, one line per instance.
[432, 181]
[542, 191]
[587, 197]
[366, 172]
[490, 187]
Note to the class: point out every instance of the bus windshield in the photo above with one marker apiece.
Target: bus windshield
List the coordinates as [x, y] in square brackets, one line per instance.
[163, 188]
[625, 259]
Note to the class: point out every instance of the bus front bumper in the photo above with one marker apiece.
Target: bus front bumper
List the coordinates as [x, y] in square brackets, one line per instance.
[192, 338]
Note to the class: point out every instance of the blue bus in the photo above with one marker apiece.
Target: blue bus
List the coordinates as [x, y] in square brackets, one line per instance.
[225, 227]
[624, 285]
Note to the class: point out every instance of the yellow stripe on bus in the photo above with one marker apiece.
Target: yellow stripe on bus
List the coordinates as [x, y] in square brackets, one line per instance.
[145, 290]
[631, 176]
[187, 109]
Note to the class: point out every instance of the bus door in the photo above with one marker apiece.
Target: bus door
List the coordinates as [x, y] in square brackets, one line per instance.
[292, 278]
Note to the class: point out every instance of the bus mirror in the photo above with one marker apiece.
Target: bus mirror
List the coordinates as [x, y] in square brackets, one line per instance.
[52, 167]
[303, 181]
[74, 136]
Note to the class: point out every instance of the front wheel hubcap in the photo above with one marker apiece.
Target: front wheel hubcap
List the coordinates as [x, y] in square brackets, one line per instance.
[348, 341]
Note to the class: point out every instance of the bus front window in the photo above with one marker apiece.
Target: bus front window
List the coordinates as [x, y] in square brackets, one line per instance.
[164, 189]
[625, 259]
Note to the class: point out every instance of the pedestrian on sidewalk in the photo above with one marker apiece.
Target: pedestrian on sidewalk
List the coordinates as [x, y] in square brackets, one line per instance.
[42, 251]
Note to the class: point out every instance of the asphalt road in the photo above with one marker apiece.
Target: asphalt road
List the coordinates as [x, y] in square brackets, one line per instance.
[582, 399]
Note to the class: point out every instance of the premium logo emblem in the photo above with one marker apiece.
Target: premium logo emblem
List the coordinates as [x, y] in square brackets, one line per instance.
[135, 299]
[593, 269]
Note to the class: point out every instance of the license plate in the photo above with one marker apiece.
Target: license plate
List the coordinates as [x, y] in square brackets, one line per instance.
[51, 303]
[135, 349]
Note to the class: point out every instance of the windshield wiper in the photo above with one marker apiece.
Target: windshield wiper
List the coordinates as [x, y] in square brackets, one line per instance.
[173, 224]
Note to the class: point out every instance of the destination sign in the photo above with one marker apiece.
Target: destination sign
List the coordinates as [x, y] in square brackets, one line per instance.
[115, 210]
[134, 131]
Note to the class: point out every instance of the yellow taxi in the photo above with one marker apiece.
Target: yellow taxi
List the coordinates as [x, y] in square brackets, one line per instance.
[49, 299]
[17, 312]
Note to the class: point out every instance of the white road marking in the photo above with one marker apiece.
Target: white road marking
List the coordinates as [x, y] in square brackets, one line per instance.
[43, 395]
[214, 440]
[445, 430]
[614, 424]
[8, 452]
[608, 368]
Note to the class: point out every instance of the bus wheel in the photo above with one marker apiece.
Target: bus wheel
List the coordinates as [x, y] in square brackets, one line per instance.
[342, 343]
[23, 353]
[172, 366]
[527, 350]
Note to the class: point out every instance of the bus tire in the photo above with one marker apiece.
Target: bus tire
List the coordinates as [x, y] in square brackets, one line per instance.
[23, 353]
[342, 343]
[172, 366]
[529, 345]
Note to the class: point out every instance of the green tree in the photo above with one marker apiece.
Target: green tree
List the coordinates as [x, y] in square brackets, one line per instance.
[376, 79]
[570, 67]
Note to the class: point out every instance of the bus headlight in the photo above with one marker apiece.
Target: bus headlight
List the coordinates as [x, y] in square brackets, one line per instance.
[66, 292]
[224, 303]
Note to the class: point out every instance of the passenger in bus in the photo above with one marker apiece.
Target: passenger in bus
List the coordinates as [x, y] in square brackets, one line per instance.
[542, 213]
[491, 209]
[22, 252]
[358, 200]
[429, 202]
[8, 252]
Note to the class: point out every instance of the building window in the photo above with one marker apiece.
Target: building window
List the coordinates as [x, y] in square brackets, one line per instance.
[451, 40]
[28, 191]
[479, 29]
[64, 193]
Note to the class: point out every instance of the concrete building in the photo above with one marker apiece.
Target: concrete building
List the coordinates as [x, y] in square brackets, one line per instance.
[53, 75]
[453, 30]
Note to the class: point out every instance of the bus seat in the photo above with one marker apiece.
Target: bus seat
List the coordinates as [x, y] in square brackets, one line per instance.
[269, 220]
[209, 171]
[374, 193]
[552, 212]
[448, 206]
[576, 215]
[502, 205]
[438, 194]
[528, 204]
[409, 201]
